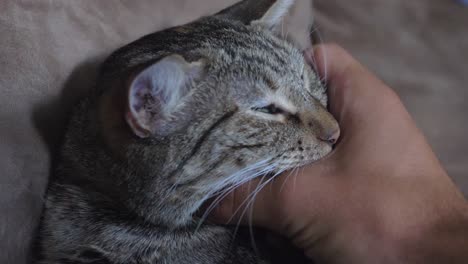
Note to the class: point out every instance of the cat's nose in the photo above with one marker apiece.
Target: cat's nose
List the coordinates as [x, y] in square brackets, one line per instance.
[330, 136]
[323, 124]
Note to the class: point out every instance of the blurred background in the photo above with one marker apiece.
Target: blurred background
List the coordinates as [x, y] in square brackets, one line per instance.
[420, 49]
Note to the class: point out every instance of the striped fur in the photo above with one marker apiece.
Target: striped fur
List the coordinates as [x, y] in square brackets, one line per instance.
[120, 198]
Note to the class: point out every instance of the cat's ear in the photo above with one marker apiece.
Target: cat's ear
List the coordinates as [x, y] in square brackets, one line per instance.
[155, 93]
[268, 13]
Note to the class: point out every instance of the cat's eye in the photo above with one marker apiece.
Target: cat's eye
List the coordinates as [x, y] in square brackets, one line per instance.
[269, 109]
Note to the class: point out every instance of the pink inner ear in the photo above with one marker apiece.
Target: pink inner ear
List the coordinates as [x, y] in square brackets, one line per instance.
[142, 107]
[155, 93]
[136, 128]
[141, 96]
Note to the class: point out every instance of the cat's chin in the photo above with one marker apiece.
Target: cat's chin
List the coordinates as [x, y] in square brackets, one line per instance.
[300, 165]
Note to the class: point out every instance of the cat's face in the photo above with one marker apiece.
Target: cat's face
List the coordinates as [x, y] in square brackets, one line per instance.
[230, 98]
[271, 114]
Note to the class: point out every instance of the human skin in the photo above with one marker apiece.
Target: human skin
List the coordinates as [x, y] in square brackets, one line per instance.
[381, 196]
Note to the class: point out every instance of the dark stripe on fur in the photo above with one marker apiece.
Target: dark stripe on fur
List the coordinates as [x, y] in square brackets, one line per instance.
[202, 139]
[247, 146]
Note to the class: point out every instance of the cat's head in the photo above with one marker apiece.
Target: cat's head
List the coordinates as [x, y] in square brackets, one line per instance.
[222, 100]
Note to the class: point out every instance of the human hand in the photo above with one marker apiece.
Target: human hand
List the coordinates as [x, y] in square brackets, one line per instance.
[380, 197]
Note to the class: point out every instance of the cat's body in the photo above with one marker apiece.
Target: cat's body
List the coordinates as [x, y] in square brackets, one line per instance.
[179, 116]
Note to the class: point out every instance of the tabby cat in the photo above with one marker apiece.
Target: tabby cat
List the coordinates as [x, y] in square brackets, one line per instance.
[177, 117]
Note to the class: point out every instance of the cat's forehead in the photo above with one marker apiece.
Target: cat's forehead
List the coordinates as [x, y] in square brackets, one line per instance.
[261, 66]
[275, 48]
[258, 51]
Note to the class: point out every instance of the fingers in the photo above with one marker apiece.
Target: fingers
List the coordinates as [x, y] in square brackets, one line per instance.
[332, 61]
[337, 68]
[355, 94]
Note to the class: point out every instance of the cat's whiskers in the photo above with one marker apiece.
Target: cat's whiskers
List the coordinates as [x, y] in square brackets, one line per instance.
[223, 195]
[250, 225]
[221, 189]
[295, 178]
[246, 174]
[284, 33]
[287, 178]
[232, 179]
[260, 185]
[171, 190]
[323, 78]
[247, 200]
[250, 205]
[243, 179]
[254, 168]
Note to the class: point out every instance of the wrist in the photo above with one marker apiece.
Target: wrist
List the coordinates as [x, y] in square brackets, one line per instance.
[440, 238]
[443, 241]
[437, 233]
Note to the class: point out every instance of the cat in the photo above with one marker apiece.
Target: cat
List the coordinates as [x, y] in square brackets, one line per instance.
[177, 117]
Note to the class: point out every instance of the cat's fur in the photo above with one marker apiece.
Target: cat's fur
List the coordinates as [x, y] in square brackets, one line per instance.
[177, 117]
